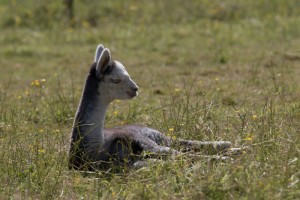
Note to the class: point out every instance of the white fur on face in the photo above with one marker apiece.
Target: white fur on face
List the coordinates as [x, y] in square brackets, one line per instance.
[118, 84]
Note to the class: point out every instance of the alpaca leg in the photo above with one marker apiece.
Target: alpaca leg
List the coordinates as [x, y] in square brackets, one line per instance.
[160, 150]
[151, 148]
[212, 157]
[238, 151]
[212, 147]
[208, 158]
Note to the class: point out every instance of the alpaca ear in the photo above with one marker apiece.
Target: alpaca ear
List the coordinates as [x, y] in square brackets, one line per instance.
[103, 63]
[98, 52]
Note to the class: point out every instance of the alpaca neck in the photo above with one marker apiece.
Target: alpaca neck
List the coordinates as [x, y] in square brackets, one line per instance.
[90, 116]
[92, 122]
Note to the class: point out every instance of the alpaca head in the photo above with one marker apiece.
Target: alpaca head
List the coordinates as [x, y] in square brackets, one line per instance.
[114, 80]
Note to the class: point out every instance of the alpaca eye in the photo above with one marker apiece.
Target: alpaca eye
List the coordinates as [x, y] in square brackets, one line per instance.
[115, 80]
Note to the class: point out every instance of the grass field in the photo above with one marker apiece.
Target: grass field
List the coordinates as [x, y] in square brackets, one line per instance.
[207, 70]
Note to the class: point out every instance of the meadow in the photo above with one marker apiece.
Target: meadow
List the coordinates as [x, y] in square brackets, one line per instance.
[207, 70]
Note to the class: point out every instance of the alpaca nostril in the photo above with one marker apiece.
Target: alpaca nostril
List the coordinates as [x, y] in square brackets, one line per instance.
[136, 88]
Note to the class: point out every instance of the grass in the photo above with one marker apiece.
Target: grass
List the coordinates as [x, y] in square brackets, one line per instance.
[206, 71]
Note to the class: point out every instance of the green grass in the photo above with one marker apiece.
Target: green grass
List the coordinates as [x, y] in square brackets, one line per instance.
[221, 70]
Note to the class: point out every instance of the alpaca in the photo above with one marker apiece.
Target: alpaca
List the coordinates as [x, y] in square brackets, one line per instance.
[94, 147]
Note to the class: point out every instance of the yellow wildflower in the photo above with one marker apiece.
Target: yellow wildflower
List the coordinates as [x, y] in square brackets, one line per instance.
[17, 20]
[171, 129]
[248, 137]
[41, 151]
[35, 83]
[56, 131]
[254, 117]
[113, 194]
[115, 113]
[85, 24]
[176, 90]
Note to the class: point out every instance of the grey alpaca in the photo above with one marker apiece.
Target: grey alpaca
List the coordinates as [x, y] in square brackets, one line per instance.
[94, 147]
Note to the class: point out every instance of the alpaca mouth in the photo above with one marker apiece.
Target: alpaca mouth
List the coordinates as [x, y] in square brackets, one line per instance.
[132, 93]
